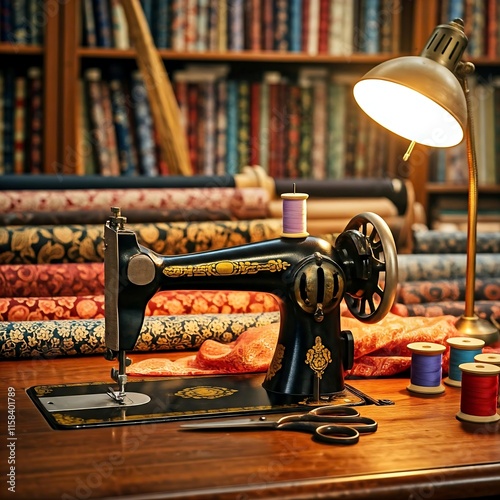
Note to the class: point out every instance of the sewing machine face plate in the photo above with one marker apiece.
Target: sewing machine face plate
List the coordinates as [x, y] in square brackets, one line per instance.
[176, 398]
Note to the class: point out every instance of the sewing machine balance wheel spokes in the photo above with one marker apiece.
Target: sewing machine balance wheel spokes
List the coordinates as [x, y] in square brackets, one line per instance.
[373, 266]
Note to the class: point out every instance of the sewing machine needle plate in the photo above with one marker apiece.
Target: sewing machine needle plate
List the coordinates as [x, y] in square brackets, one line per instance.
[92, 402]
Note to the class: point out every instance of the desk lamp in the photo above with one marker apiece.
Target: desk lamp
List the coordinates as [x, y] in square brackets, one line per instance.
[425, 99]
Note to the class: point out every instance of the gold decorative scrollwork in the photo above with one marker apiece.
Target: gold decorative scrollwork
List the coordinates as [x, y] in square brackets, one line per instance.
[276, 361]
[205, 392]
[318, 357]
[226, 268]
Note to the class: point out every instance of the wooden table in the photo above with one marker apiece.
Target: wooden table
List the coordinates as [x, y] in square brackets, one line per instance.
[420, 451]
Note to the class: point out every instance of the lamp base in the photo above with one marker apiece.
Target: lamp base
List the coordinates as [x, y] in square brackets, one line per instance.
[478, 328]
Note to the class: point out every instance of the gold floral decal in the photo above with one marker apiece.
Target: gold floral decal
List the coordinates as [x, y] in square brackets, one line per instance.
[226, 268]
[318, 357]
[276, 361]
[205, 392]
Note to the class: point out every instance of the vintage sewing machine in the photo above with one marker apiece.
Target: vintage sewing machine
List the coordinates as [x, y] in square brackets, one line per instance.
[309, 275]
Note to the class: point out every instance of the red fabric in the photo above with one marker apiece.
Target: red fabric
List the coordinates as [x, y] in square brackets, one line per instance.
[380, 349]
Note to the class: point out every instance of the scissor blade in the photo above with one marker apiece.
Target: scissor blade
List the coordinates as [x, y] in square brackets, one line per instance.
[238, 423]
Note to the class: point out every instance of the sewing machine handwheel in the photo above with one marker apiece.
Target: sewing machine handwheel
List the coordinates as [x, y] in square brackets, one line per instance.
[374, 293]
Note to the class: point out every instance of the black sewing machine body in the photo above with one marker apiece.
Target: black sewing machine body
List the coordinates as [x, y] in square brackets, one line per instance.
[308, 275]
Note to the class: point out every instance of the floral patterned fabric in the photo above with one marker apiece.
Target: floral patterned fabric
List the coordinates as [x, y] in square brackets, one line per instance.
[84, 243]
[439, 242]
[51, 280]
[164, 303]
[46, 339]
[181, 203]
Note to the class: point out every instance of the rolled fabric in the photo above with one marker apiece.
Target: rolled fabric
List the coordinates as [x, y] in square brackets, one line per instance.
[51, 280]
[164, 303]
[84, 243]
[439, 242]
[418, 292]
[486, 309]
[414, 267]
[45, 339]
[223, 203]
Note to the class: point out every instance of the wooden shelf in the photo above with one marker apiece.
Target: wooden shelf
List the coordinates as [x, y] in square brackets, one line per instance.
[18, 49]
[439, 188]
[243, 56]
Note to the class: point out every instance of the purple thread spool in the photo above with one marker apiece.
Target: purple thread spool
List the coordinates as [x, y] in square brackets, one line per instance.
[426, 368]
[492, 359]
[294, 215]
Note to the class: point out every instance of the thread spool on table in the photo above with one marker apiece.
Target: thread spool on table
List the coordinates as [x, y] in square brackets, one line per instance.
[492, 359]
[478, 398]
[294, 215]
[426, 367]
[462, 350]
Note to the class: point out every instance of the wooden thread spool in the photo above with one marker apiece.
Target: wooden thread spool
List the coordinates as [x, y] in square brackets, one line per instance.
[462, 350]
[294, 215]
[478, 401]
[492, 359]
[426, 368]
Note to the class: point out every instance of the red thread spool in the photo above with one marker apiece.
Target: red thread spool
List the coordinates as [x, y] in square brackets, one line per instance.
[478, 401]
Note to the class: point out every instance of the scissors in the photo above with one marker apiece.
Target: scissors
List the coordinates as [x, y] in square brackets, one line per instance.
[327, 424]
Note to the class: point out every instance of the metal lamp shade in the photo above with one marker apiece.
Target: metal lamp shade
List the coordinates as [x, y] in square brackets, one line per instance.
[416, 98]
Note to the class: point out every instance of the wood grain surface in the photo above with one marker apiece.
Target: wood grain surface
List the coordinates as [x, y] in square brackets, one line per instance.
[420, 451]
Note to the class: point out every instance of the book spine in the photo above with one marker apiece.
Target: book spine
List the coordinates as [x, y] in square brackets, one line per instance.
[281, 35]
[192, 130]
[19, 21]
[103, 24]
[319, 129]
[162, 24]
[210, 119]
[122, 128]
[264, 125]
[371, 27]
[109, 128]
[202, 26]
[19, 124]
[88, 29]
[222, 19]
[9, 96]
[119, 25]
[191, 24]
[34, 27]
[236, 25]
[293, 132]
[295, 16]
[34, 149]
[143, 127]
[213, 21]
[313, 27]
[255, 108]
[336, 127]
[6, 23]
[178, 25]
[267, 26]
[221, 131]
[2, 121]
[232, 127]
[323, 26]
[243, 123]
[306, 100]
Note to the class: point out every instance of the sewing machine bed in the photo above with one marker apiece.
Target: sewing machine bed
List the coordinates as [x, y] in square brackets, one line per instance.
[173, 398]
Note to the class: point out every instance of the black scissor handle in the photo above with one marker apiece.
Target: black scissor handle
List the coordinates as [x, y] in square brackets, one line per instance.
[326, 433]
[336, 434]
[335, 411]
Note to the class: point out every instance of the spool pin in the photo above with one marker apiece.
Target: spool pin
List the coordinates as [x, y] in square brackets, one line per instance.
[462, 350]
[431, 354]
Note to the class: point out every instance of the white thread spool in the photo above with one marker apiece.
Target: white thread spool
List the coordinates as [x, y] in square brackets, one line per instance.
[294, 215]
[492, 359]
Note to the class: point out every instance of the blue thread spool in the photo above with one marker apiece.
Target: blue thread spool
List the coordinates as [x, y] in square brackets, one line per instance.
[426, 369]
[462, 350]
[492, 359]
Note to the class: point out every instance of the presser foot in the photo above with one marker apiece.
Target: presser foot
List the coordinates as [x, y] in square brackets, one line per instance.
[119, 376]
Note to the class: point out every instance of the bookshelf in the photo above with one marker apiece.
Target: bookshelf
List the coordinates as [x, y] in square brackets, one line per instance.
[65, 60]
[20, 55]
